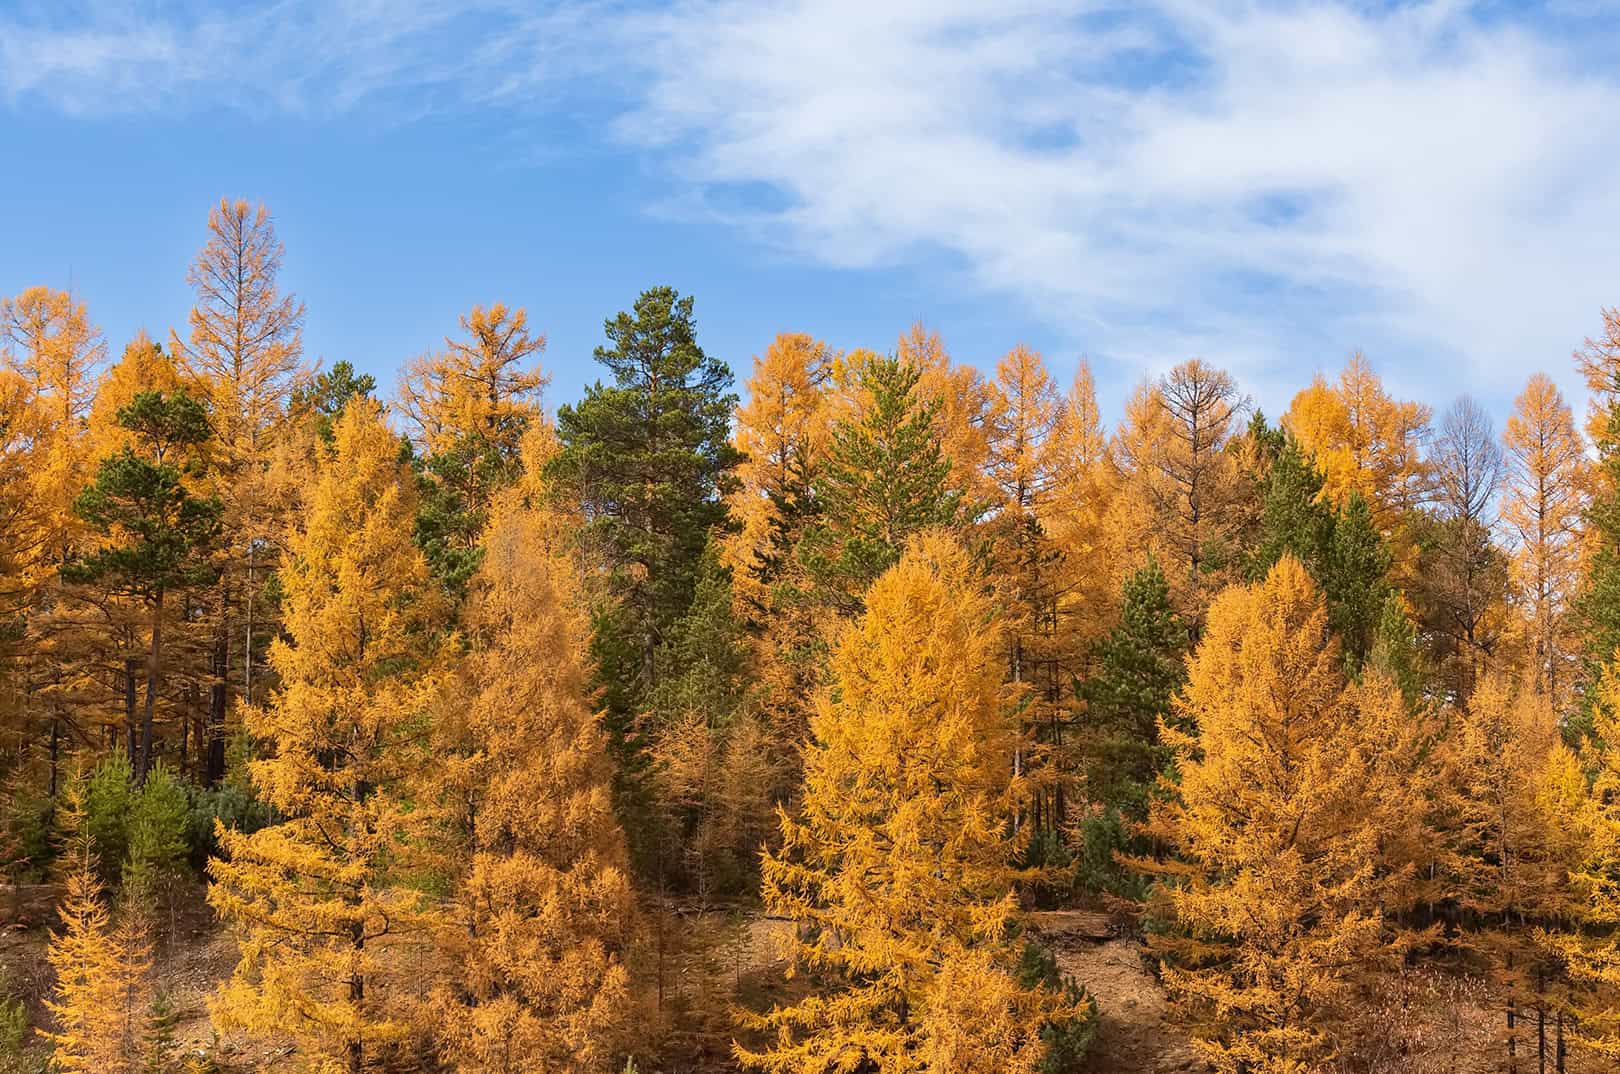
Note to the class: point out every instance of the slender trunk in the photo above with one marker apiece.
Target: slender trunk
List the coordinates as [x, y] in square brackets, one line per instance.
[1513, 1040]
[215, 765]
[129, 707]
[357, 996]
[144, 764]
[56, 749]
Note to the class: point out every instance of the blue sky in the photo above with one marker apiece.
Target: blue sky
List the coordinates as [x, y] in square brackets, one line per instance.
[1267, 185]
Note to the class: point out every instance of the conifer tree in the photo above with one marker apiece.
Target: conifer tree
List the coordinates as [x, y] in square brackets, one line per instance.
[158, 532]
[102, 967]
[322, 900]
[782, 435]
[649, 460]
[538, 924]
[1137, 670]
[1509, 819]
[1286, 798]
[1592, 952]
[885, 479]
[469, 407]
[896, 873]
[1543, 499]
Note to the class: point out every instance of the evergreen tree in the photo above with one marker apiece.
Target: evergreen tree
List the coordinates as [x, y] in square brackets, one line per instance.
[158, 532]
[885, 479]
[318, 897]
[897, 872]
[1138, 669]
[648, 459]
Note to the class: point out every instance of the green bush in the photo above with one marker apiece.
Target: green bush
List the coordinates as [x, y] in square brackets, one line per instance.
[26, 829]
[1048, 858]
[159, 822]
[233, 805]
[1095, 868]
[1067, 1041]
[108, 798]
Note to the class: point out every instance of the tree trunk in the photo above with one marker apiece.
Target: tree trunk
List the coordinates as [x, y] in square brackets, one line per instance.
[214, 766]
[129, 707]
[144, 764]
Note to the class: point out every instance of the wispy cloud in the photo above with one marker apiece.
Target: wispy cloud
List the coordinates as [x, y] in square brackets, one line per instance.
[1264, 183]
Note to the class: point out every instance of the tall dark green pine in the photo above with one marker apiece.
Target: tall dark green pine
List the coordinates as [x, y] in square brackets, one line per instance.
[885, 478]
[457, 485]
[159, 535]
[1139, 667]
[1293, 520]
[649, 459]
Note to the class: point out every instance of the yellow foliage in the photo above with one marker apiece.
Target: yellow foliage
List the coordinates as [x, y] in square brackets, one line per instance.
[103, 988]
[1543, 501]
[321, 900]
[1363, 441]
[539, 920]
[479, 386]
[964, 400]
[896, 873]
[1179, 479]
[1288, 792]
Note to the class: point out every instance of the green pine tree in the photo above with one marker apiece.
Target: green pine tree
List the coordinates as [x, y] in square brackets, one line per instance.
[885, 478]
[158, 533]
[1598, 606]
[648, 457]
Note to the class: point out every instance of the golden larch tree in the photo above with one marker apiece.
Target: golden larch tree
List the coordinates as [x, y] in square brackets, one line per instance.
[486, 384]
[1027, 453]
[103, 966]
[539, 921]
[1591, 951]
[963, 399]
[244, 355]
[1178, 473]
[896, 873]
[1511, 844]
[1277, 826]
[1542, 503]
[1363, 440]
[321, 900]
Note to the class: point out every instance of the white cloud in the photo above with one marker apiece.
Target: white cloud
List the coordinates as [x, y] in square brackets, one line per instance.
[1263, 182]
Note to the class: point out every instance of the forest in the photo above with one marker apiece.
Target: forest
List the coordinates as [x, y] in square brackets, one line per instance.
[779, 726]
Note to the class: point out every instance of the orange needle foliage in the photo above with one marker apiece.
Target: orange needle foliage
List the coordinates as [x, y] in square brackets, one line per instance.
[321, 900]
[1289, 793]
[897, 872]
[538, 924]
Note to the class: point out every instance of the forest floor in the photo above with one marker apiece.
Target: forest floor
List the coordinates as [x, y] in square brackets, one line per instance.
[710, 962]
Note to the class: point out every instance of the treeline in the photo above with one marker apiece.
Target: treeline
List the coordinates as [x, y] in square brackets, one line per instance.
[454, 703]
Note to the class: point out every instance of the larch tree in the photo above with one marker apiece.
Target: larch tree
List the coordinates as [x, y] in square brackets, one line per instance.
[102, 966]
[244, 355]
[896, 871]
[48, 338]
[1511, 798]
[1028, 435]
[157, 534]
[1543, 498]
[1172, 448]
[1078, 515]
[468, 408]
[962, 400]
[1365, 441]
[1461, 585]
[539, 921]
[1591, 950]
[322, 901]
[1284, 804]
[782, 435]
